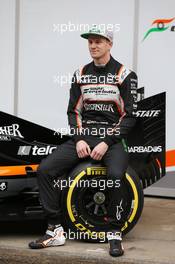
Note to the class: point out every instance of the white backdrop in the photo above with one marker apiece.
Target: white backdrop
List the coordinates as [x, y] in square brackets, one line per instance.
[156, 57]
[7, 58]
[46, 54]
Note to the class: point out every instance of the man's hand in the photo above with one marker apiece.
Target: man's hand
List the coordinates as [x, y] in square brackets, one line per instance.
[99, 151]
[83, 149]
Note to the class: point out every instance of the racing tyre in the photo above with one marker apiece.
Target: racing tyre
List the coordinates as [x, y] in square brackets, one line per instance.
[85, 202]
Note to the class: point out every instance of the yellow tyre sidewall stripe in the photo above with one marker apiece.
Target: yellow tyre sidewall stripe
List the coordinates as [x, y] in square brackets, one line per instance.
[136, 198]
[69, 196]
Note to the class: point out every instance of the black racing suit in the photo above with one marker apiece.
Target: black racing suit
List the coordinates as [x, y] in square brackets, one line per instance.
[103, 97]
[102, 101]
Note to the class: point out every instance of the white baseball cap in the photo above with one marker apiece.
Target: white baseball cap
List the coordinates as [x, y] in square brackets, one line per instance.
[95, 30]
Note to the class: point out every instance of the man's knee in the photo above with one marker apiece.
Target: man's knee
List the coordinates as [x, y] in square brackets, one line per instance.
[43, 168]
[116, 174]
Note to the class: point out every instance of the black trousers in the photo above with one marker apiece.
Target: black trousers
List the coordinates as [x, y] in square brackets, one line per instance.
[62, 160]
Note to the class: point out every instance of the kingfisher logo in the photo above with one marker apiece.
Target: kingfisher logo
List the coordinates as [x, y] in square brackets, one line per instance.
[12, 130]
[160, 25]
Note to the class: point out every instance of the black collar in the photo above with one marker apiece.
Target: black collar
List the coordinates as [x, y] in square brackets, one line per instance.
[105, 68]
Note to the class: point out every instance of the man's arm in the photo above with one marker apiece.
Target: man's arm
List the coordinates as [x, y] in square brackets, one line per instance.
[128, 93]
[74, 110]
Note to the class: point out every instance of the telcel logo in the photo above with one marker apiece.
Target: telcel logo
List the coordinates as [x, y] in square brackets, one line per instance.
[35, 150]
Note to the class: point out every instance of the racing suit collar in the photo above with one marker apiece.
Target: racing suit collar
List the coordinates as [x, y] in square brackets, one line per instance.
[105, 68]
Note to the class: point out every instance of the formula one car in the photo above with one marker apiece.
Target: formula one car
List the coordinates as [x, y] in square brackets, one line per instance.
[24, 144]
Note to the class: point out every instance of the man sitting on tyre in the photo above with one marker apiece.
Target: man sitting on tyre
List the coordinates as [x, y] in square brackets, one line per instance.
[102, 95]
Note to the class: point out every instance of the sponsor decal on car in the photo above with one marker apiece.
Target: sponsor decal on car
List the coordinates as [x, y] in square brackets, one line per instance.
[3, 186]
[35, 150]
[147, 149]
[12, 130]
[147, 113]
[5, 138]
